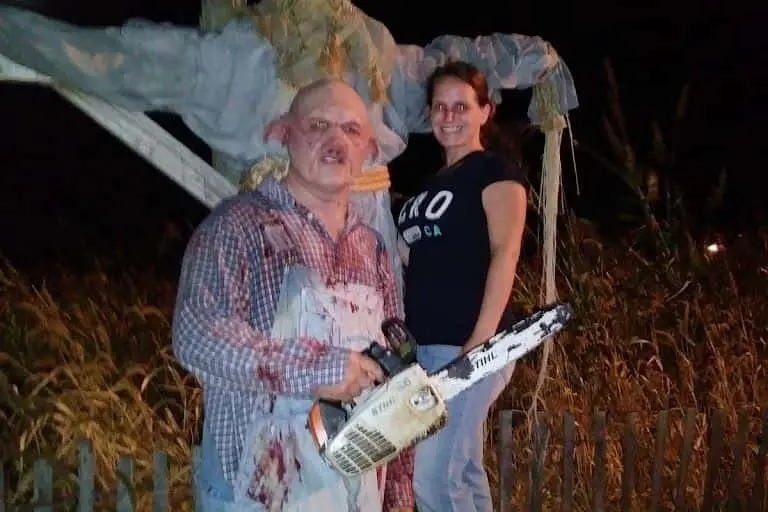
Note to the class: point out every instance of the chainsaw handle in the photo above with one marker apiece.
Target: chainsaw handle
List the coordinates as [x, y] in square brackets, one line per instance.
[389, 361]
[400, 339]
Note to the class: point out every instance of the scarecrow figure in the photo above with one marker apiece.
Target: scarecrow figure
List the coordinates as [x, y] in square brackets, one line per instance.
[230, 79]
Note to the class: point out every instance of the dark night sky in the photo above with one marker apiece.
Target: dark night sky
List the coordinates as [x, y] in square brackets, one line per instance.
[68, 185]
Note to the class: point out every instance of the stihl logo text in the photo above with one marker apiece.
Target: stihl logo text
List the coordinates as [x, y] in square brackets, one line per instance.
[484, 359]
[378, 409]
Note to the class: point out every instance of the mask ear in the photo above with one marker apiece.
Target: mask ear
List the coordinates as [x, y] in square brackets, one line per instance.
[277, 131]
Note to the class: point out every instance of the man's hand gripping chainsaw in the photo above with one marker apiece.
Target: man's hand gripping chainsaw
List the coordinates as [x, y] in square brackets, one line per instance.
[411, 404]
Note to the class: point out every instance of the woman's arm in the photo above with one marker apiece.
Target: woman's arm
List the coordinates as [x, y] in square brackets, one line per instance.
[505, 205]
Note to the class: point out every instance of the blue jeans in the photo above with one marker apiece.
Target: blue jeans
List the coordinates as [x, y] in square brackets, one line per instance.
[211, 486]
[449, 475]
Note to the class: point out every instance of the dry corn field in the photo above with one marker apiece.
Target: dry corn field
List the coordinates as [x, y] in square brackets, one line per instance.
[88, 356]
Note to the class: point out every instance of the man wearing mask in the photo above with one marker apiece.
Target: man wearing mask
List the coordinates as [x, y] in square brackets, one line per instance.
[281, 289]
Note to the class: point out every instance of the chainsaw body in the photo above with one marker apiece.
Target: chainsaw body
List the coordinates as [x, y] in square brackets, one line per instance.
[410, 405]
[384, 420]
[392, 416]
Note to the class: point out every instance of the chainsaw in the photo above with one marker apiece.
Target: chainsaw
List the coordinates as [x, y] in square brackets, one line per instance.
[410, 405]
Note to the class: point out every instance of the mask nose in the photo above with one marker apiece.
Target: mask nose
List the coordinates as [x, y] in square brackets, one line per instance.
[336, 148]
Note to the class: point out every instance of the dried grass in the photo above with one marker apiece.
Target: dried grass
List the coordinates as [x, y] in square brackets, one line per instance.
[685, 331]
[89, 357]
[92, 360]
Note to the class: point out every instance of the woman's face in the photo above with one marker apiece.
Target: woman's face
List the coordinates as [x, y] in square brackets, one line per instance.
[455, 114]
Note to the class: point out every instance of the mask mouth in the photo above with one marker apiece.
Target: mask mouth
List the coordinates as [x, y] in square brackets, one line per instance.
[334, 154]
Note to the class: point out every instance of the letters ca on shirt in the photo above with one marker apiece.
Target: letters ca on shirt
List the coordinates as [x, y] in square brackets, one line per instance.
[420, 217]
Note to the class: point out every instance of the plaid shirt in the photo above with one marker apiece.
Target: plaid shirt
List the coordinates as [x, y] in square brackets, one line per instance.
[228, 292]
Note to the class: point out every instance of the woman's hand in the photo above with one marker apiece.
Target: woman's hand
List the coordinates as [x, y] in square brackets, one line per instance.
[473, 342]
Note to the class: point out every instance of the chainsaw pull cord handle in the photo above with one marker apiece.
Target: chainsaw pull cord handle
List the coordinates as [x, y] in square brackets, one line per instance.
[401, 351]
[400, 339]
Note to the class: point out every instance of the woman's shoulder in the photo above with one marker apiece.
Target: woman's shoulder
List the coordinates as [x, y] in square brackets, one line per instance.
[479, 160]
[495, 158]
[494, 166]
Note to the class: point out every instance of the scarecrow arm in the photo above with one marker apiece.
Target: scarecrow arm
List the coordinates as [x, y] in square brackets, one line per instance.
[208, 79]
[508, 61]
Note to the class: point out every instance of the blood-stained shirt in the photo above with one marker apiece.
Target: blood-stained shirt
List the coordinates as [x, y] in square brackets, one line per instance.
[228, 292]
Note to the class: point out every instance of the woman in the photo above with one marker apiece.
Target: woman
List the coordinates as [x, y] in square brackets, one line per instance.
[460, 240]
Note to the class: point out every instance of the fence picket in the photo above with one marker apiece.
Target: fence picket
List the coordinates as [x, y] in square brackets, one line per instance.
[85, 476]
[125, 494]
[566, 503]
[735, 500]
[43, 493]
[160, 481]
[685, 458]
[662, 431]
[598, 472]
[628, 474]
[758, 491]
[540, 441]
[716, 434]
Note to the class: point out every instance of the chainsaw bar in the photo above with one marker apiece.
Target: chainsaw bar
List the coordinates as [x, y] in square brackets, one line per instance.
[503, 349]
[410, 405]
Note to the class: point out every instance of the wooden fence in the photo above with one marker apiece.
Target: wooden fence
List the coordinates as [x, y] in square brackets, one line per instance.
[737, 499]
